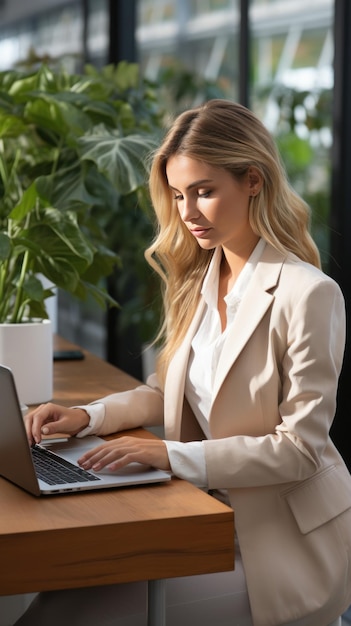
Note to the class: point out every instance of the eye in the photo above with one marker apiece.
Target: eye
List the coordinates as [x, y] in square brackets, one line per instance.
[178, 197]
[203, 194]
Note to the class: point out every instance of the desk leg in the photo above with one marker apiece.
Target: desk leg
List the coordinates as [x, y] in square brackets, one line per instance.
[156, 608]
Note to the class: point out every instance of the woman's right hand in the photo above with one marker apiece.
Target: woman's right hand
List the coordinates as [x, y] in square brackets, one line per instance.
[49, 419]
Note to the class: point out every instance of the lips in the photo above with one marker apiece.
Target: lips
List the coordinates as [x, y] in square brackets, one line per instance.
[199, 232]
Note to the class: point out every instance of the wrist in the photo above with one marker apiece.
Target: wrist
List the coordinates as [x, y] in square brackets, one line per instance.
[84, 419]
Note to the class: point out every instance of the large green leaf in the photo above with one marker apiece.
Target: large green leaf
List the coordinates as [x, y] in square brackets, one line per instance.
[56, 113]
[95, 108]
[59, 270]
[18, 83]
[121, 159]
[22, 243]
[104, 262]
[60, 234]
[65, 188]
[21, 85]
[104, 190]
[46, 115]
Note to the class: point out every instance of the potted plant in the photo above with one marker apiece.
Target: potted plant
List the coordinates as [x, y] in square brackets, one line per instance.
[71, 148]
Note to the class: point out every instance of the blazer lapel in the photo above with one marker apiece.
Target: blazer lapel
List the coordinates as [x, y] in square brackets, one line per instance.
[257, 299]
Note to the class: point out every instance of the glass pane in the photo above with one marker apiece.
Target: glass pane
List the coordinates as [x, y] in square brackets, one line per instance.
[97, 32]
[291, 91]
[192, 47]
[55, 34]
[206, 6]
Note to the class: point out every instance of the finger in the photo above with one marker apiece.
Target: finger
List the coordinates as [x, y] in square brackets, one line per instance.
[88, 456]
[47, 419]
[28, 426]
[101, 458]
[44, 422]
[121, 451]
[114, 444]
[33, 423]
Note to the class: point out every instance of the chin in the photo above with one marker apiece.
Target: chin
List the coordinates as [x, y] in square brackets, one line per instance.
[206, 244]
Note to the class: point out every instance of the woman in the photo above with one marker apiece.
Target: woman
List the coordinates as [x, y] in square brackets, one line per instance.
[253, 342]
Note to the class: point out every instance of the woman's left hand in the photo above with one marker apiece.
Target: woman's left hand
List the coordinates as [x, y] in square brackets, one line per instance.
[118, 453]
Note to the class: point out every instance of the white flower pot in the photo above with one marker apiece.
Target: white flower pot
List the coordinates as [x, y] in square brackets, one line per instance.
[27, 349]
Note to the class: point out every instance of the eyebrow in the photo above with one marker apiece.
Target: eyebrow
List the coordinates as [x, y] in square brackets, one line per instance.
[196, 183]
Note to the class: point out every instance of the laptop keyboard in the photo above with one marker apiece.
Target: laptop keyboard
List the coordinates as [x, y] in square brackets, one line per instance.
[54, 470]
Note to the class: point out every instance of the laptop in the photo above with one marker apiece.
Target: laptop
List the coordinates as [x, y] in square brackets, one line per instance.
[31, 468]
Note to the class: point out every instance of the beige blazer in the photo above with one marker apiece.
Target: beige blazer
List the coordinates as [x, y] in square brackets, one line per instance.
[273, 405]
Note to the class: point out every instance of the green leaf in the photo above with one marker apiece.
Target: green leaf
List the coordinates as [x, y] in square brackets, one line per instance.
[19, 84]
[101, 295]
[23, 84]
[24, 242]
[65, 188]
[104, 262]
[6, 101]
[121, 159]
[127, 75]
[57, 113]
[60, 271]
[74, 117]
[37, 309]
[60, 234]
[46, 114]
[33, 288]
[10, 125]
[26, 203]
[104, 190]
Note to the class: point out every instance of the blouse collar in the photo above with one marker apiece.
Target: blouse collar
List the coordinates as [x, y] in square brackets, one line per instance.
[210, 284]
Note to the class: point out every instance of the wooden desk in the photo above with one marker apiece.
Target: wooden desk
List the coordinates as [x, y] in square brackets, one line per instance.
[122, 535]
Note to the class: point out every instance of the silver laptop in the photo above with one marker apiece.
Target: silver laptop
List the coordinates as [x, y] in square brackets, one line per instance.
[52, 467]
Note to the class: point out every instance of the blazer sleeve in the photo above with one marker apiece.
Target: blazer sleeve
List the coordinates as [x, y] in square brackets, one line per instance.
[311, 332]
[142, 406]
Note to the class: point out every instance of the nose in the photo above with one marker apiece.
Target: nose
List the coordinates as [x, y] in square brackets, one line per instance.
[188, 209]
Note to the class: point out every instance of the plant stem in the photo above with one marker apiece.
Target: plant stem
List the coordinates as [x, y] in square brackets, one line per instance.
[15, 318]
[3, 168]
[3, 282]
[57, 156]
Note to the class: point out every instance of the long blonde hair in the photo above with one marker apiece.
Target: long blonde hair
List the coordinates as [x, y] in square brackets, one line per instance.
[222, 134]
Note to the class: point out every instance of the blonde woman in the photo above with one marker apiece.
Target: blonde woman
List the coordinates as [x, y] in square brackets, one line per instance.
[253, 340]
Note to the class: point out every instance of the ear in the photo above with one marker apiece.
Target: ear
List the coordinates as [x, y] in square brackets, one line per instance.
[255, 180]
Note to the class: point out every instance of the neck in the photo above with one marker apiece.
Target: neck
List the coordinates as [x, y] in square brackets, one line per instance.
[233, 261]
